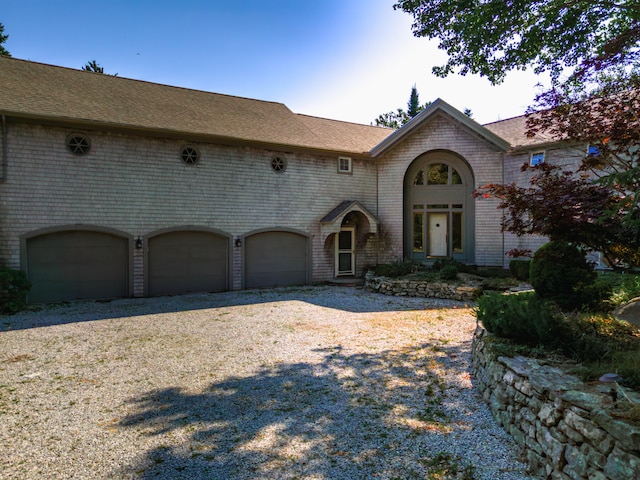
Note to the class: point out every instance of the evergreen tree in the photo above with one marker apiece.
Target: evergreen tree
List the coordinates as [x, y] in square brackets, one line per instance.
[400, 117]
[414, 107]
[3, 38]
[93, 66]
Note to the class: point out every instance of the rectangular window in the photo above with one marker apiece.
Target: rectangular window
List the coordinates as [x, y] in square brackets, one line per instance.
[418, 232]
[536, 159]
[344, 165]
[438, 205]
[456, 232]
[418, 206]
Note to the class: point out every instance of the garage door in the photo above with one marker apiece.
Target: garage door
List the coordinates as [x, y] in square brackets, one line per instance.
[77, 265]
[275, 259]
[188, 261]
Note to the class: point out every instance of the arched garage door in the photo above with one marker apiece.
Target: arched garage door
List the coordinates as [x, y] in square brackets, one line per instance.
[188, 261]
[275, 259]
[77, 265]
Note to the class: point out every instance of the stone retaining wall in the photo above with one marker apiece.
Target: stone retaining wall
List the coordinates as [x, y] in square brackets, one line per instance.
[568, 428]
[415, 288]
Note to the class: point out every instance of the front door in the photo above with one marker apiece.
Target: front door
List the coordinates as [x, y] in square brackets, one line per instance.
[437, 234]
[345, 252]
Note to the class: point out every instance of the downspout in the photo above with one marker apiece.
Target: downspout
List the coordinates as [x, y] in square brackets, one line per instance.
[377, 214]
[503, 233]
[3, 178]
[5, 150]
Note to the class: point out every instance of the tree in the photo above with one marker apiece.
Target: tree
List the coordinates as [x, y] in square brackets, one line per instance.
[605, 118]
[566, 207]
[413, 106]
[492, 37]
[3, 38]
[400, 117]
[93, 66]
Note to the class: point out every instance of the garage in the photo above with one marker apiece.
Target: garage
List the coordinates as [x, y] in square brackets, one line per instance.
[77, 265]
[276, 259]
[188, 261]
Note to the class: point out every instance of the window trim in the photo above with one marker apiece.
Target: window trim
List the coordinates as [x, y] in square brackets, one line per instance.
[349, 169]
[535, 153]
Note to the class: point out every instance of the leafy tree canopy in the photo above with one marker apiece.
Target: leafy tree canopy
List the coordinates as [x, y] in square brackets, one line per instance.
[567, 207]
[603, 117]
[492, 37]
[3, 38]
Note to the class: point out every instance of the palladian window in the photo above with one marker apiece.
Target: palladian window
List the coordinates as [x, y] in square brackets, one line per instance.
[439, 208]
[438, 174]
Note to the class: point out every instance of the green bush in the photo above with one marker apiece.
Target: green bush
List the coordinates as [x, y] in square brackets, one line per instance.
[520, 269]
[449, 272]
[560, 272]
[445, 262]
[14, 287]
[396, 269]
[523, 317]
[624, 287]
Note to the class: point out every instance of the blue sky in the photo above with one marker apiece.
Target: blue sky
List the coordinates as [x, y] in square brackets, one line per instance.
[344, 59]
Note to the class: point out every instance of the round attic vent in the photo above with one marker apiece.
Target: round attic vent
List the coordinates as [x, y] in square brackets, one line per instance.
[190, 155]
[278, 163]
[78, 144]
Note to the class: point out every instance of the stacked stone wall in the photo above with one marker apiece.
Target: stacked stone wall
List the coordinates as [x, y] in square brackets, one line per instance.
[569, 429]
[410, 288]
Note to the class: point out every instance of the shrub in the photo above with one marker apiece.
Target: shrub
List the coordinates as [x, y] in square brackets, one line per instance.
[396, 269]
[624, 287]
[520, 269]
[523, 317]
[14, 287]
[445, 262]
[449, 272]
[560, 272]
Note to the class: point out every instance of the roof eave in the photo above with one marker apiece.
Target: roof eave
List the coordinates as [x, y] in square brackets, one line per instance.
[178, 134]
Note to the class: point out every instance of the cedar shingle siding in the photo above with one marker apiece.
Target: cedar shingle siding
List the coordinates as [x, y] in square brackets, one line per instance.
[133, 184]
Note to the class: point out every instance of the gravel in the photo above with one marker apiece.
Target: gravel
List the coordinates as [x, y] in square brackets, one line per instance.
[293, 383]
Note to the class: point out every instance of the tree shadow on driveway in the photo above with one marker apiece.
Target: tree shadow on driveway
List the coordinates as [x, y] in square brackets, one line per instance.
[348, 299]
[405, 413]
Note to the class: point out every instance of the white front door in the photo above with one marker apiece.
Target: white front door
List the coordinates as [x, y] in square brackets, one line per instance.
[345, 251]
[437, 234]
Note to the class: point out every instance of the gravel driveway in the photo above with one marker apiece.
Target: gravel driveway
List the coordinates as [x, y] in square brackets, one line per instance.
[297, 383]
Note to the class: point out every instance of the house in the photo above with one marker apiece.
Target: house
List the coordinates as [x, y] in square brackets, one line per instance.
[112, 187]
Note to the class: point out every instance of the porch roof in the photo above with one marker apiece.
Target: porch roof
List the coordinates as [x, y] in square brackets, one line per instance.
[332, 221]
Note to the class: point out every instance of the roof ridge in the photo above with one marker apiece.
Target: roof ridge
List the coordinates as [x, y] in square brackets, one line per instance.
[147, 82]
[504, 120]
[342, 121]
